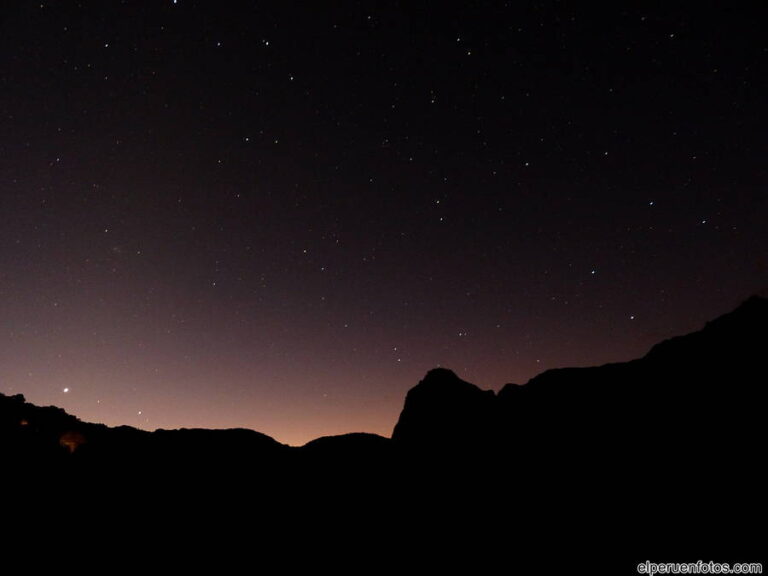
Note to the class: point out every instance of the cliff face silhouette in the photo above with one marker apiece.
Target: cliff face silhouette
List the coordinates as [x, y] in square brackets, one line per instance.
[663, 446]
[681, 426]
[690, 396]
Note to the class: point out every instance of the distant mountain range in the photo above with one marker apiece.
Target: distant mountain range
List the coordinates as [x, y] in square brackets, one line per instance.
[700, 381]
[666, 446]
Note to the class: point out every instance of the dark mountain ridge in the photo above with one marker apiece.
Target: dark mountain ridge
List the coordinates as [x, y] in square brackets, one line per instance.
[686, 379]
[694, 380]
[663, 448]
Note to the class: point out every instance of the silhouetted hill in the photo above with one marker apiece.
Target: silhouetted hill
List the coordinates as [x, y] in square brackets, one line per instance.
[355, 463]
[707, 380]
[47, 439]
[443, 410]
[673, 434]
[665, 448]
[703, 378]
[360, 443]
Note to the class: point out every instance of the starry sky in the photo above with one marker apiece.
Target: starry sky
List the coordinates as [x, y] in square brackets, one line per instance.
[280, 215]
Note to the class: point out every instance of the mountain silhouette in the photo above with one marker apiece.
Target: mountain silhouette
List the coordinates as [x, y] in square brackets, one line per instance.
[696, 388]
[444, 411]
[705, 379]
[664, 448]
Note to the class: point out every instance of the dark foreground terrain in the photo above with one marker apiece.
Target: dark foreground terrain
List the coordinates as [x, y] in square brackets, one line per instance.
[659, 458]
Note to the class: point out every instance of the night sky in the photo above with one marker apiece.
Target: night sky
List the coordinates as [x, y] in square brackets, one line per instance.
[280, 215]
